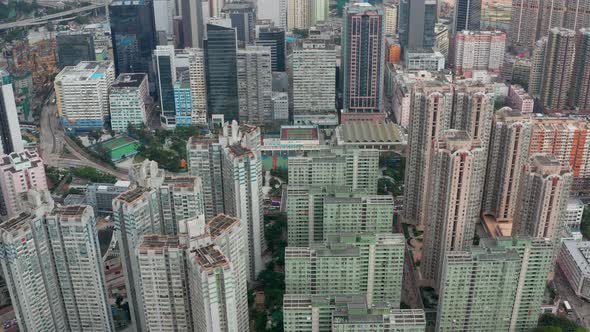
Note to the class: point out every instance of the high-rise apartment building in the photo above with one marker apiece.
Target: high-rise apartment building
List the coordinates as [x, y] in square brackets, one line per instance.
[166, 72]
[363, 264]
[299, 14]
[580, 90]
[431, 104]
[509, 144]
[363, 60]
[320, 12]
[416, 23]
[574, 213]
[467, 16]
[523, 22]
[135, 213]
[82, 94]
[536, 72]
[161, 261]
[204, 161]
[100, 196]
[133, 31]
[569, 141]
[316, 213]
[274, 37]
[355, 168]
[19, 173]
[557, 69]
[453, 198]
[314, 77]
[478, 51]
[242, 193]
[73, 47]
[274, 10]
[255, 85]
[221, 72]
[577, 15]
[497, 286]
[520, 100]
[542, 198]
[127, 101]
[473, 110]
[390, 11]
[319, 313]
[198, 85]
[10, 136]
[54, 272]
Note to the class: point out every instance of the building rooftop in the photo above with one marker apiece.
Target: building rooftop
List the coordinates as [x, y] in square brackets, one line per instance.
[237, 150]
[157, 241]
[85, 71]
[131, 195]
[16, 223]
[129, 80]
[70, 211]
[370, 132]
[220, 223]
[209, 257]
[580, 253]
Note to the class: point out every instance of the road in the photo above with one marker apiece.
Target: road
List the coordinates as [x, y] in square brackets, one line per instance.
[44, 19]
[53, 141]
[581, 308]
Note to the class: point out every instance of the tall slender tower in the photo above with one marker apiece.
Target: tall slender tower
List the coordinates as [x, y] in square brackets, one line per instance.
[536, 74]
[431, 105]
[204, 160]
[417, 19]
[580, 92]
[166, 70]
[509, 143]
[299, 14]
[467, 15]
[255, 85]
[542, 198]
[363, 60]
[557, 69]
[10, 137]
[454, 198]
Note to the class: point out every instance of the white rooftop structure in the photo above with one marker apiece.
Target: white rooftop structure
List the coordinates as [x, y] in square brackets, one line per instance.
[574, 260]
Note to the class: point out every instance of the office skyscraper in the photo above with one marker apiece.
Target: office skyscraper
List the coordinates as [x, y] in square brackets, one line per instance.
[192, 23]
[453, 198]
[222, 74]
[467, 15]
[54, 272]
[133, 32]
[73, 47]
[255, 85]
[347, 264]
[243, 19]
[166, 71]
[299, 14]
[541, 204]
[274, 38]
[363, 60]
[557, 69]
[580, 90]
[431, 114]
[497, 286]
[509, 143]
[416, 23]
[314, 77]
[275, 10]
[10, 137]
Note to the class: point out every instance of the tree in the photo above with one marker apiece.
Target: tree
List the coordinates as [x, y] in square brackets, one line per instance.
[585, 227]
[95, 135]
[556, 324]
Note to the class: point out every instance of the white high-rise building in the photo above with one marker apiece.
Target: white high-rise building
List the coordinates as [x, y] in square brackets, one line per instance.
[478, 51]
[204, 161]
[242, 197]
[198, 85]
[164, 19]
[10, 137]
[164, 287]
[128, 97]
[82, 94]
[574, 212]
[320, 11]
[255, 84]
[54, 272]
[314, 72]
[135, 213]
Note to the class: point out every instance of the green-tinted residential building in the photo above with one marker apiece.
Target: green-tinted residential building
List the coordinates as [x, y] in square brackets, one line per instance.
[310, 313]
[315, 213]
[497, 286]
[366, 263]
[356, 168]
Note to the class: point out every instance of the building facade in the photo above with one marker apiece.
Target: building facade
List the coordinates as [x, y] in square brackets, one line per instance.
[204, 161]
[73, 47]
[19, 173]
[478, 51]
[299, 14]
[416, 23]
[580, 90]
[127, 101]
[274, 37]
[573, 260]
[558, 67]
[467, 15]
[255, 85]
[10, 136]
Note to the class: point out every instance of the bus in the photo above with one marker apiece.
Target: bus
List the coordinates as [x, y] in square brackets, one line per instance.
[567, 306]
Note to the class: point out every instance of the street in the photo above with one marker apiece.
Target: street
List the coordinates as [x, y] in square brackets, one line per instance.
[581, 312]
